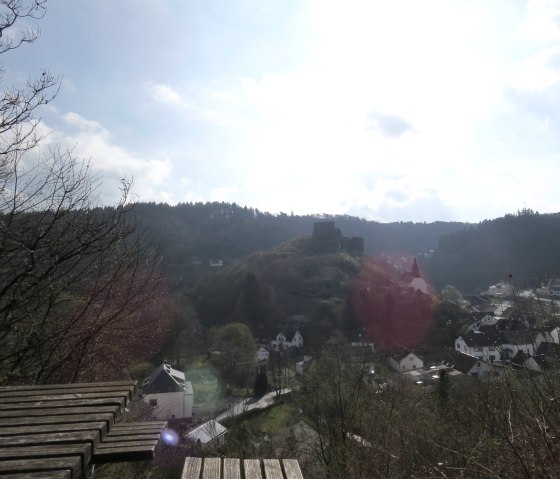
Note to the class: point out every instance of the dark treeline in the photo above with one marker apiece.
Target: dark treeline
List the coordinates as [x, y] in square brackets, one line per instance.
[523, 245]
[198, 232]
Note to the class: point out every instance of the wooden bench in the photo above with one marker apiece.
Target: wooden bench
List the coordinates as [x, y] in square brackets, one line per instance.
[227, 468]
[57, 431]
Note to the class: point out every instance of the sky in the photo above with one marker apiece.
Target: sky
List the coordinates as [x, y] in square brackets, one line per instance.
[400, 110]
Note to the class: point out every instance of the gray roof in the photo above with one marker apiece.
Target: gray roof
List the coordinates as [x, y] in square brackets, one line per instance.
[460, 361]
[206, 432]
[165, 379]
[484, 337]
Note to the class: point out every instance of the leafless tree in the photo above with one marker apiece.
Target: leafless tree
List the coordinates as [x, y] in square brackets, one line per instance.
[70, 270]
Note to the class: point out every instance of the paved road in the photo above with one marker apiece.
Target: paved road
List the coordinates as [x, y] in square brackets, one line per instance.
[250, 403]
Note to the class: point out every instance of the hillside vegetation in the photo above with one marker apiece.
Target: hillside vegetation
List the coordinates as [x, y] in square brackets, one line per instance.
[524, 245]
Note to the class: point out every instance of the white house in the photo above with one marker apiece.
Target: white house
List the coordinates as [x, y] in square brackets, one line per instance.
[405, 361]
[501, 289]
[522, 340]
[262, 354]
[467, 364]
[492, 345]
[208, 434]
[297, 340]
[170, 396]
[281, 342]
[486, 320]
[481, 344]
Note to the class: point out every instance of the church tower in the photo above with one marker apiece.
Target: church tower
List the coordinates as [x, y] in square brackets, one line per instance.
[416, 270]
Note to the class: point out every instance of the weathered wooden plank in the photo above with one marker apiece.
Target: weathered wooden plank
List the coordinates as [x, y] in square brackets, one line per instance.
[212, 468]
[192, 468]
[232, 468]
[65, 397]
[67, 474]
[126, 426]
[123, 454]
[69, 386]
[59, 411]
[291, 469]
[44, 428]
[34, 420]
[131, 437]
[147, 443]
[62, 389]
[73, 464]
[272, 469]
[51, 438]
[53, 450]
[252, 468]
[64, 403]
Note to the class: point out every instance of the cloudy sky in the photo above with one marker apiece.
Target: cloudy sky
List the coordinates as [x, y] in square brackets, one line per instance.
[388, 110]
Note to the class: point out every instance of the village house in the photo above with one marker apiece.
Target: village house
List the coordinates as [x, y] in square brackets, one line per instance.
[523, 360]
[169, 395]
[501, 290]
[482, 319]
[485, 344]
[262, 354]
[405, 361]
[467, 364]
[281, 342]
[492, 344]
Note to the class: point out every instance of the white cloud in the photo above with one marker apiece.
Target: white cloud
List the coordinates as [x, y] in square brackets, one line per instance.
[89, 140]
[541, 22]
[539, 71]
[165, 94]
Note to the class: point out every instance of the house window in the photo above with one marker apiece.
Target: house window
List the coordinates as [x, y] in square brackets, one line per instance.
[458, 346]
[492, 357]
[153, 402]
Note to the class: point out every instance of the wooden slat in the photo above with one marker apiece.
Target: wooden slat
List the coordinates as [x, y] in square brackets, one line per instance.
[131, 384]
[73, 464]
[64, 403]
[51, 438]
[59, 411]
[252, 468]
[212, 468]
[232, 469]
[132, 437]
[291, 469]
[272, 469]
[65, 397]
[54, 450]
[62, 389]
[39, 475]
[78, 418]
[149, 444]
[44, 428]
[192, 468]
[126, 426]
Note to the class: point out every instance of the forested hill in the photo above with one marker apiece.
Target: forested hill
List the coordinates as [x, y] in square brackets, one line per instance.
[195, 233]
[524, 245]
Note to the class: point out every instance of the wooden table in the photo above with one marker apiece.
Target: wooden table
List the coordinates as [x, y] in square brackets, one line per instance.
[58, 431]
[227, 468]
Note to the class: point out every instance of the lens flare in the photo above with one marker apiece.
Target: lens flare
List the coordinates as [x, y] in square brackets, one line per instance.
[169, 436]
